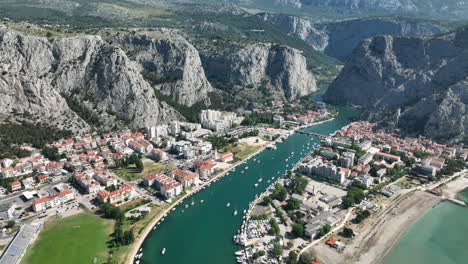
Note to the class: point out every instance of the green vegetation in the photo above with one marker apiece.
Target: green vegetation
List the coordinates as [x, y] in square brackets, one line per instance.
[277, 250]
[297, 230]
[361, 216]
[189, 112]
[451, 166]
[258, 254]
[274, 229]
[293, 204]
[259, 217]
[241, 150]
[354, 195]
[298, 184]
[38, 135]
[132, 173]
[52, 153]
[324, 230]
[348, 232]
[279, 193]
[86, 234]
[255, 119]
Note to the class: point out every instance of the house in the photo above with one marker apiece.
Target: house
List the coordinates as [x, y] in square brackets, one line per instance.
[157, 154]
[43, 178]
[387, 157]
[7, 172]
[14, 186]
[124, 193]
[6, 162]
[227, 157]
[53, 200]
[136, 146]
[185, 177]
[205, 168]
[87, 182]
[7, 211]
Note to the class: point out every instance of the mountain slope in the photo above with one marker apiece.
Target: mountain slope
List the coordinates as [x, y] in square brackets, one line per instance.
[339, 39]
[423, 78]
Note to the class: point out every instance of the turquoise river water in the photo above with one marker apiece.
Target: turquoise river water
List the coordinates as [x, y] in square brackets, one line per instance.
[437, 237]
[203, 233]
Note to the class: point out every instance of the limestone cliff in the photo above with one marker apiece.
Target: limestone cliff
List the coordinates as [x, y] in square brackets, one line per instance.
[261, 70]
[424, 77]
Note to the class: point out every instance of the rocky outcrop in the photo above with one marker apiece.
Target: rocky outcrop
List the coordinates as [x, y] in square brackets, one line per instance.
[423, 77]
[339, 39]
[262, 70]
[39, 74]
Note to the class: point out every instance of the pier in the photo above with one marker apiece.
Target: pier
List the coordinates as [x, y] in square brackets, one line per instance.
[322, 137]
[456, 201]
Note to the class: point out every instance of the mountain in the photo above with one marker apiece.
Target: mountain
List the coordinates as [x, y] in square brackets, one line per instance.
[449, 9]
[340, 38]
[418, 84]
[114, 78]
[258, 70]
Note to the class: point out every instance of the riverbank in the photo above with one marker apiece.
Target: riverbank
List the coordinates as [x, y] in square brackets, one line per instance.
[142, 236]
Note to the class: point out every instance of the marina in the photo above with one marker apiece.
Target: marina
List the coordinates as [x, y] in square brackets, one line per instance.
[200, 229]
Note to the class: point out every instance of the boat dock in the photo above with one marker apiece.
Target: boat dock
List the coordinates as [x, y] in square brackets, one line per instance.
[456, 201]
[322, 137]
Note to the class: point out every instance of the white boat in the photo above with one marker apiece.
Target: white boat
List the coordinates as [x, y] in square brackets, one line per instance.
[235, 212]
[245, 211]
[260, 180]
[192, 203]
[239, 253]
[186, 206]
[228, 204]
[256, 185]
[246, 167]
[202, 201]
[163, 251]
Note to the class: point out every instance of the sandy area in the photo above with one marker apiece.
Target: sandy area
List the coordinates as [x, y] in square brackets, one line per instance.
[253, 141]
[381, 232]
[453, 187]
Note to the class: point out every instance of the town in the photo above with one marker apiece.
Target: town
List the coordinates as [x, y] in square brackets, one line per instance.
[142, 173]
[323, 202]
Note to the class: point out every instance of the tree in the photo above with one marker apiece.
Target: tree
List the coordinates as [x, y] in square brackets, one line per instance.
[258, 254]
[292, 258]
[362, 215]
[274, 229]
[279, 193]
[297, 230]
[324, 230]
[293, 204]
[139, 165]
[304, 259]
[10, 224]
[267, 200]
[290, 244]
[348, 232]
[277, 250]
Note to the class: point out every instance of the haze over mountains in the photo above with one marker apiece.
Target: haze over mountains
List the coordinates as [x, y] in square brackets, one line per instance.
[105, 64]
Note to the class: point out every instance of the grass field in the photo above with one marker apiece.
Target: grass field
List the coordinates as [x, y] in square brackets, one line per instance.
[76, 239]
[131, 173]
[241, 150]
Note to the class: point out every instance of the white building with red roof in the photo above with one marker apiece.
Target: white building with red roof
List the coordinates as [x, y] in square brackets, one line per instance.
[168, 187]
[205, 168]
[187, 178]
[58, 199]
[227, 157]
[123, 194]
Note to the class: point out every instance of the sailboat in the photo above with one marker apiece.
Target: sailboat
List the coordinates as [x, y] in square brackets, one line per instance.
[235, 212]
[228, 204]
[163, 251]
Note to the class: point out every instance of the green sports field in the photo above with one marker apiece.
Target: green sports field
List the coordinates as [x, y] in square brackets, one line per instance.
[76, 239]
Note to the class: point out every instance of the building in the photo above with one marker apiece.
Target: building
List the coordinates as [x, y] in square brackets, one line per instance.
[387, 157]
[87, 182]
[365, 179]
[278, 120]
[185, 177]
[6, 162]
[15, 186]
[124, 193]
[7, 211]
[227, 157]
[168, 187]
[326, 170]
[58, 199]
[347, 159]
[366, 158]
[205, 168]
[218, 121]
[157, 154]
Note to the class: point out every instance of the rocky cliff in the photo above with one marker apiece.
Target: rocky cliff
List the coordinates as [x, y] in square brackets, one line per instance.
[261, 70]
[339, 39]
[425, 78]
[83, 81]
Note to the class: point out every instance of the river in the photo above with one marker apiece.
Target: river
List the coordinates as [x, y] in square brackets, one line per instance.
[203, 233]
[438, 236]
